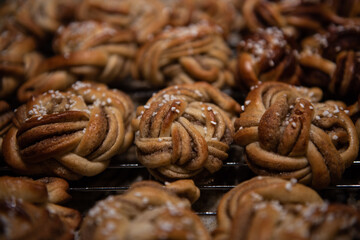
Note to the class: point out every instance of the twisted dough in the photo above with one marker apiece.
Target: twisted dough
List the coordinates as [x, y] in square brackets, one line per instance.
[293, 17]
[354, 112]
[148, 210]
[332, 61]
[87, 50]
[18, 57]
[70, 134]
[284, 210]
[28, 210]
[185, 55]
[286, 133]
[144, 17]
[6, 115]
[266, 56]
[185, 130]
[43, 17]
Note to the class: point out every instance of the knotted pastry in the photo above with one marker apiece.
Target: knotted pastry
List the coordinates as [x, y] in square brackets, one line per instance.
[219, 12]
[284, 210]
[144, 17]
[266, 56]
[185, 55]
[148, 210]
[44, 17]
[18, 58]
[287, 133]
[293, 17]
[28, 209]
[332, 61]
[86, 50]
[354, 112]
[70, 134]
[184, 131]
[6, 115]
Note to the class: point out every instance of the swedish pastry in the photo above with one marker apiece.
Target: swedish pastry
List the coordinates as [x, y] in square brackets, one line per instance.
[6, 115]
[18, 57]
[29, 209]
[354, 112]
[296, 18]
[266, 55]
[284, 210]
[148, 210]
[185, 55]
[85, 50]
[144, 17]
[70, 134]
[42, 18]
[331, 61]
[184, 131]
[288, 133]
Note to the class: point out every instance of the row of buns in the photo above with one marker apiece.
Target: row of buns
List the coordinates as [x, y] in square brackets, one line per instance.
[65, 113]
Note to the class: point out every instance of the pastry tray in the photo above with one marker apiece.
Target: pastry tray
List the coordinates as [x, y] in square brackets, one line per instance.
[125, 170]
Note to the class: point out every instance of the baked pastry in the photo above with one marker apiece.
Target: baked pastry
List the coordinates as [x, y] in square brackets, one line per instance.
[284, 210]
[86, 50]
[218, 12]
[18, 57]
[70, 134]
[185, 55]
[184, 131]
[43, 17]
[28, 209]
[354, 112]
[287, 133]
[332, 60]
[264, 56]
[295, 18]
[148, 210]
[6, 115]
[144, 17]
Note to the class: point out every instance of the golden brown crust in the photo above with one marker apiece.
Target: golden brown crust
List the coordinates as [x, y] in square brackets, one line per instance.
[185, 130]
[185, 55]
[288, 134]
[144, 17]
[6, 115]
[28, 211]
[293, 17]
[70, 134]
[44, 17]
[86, 50]
[18, 57]
[331, 61]
[148, 210]
[284, 210]
[266, 56]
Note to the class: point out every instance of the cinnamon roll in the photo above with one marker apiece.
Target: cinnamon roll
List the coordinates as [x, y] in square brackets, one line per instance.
[70, 134]
[354, 112]
[264, 56]
[148, 210]
[86, 50]
[331, 61]
[295, 18]
[18, 58]
[144, 17]
[284, 210]
[6, 115]
[287, 133]
[184, 131]
[28, 209]
[185, 55]
[42, 18]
